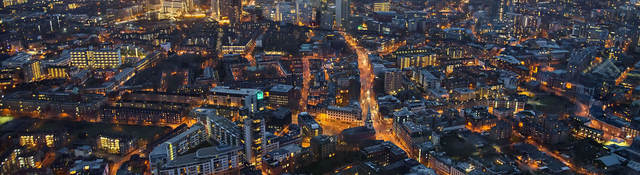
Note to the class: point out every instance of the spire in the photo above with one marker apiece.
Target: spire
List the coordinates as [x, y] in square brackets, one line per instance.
[367, 121]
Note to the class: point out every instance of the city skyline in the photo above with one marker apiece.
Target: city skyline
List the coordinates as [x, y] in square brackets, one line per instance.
[411, 87]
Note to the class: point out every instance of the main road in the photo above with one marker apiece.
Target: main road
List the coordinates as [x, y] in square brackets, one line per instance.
[368, 101]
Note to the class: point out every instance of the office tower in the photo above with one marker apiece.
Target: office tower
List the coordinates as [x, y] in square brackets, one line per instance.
[342, 13]
[226, 10]
[304, 11]
[95, 59]
[325, 14]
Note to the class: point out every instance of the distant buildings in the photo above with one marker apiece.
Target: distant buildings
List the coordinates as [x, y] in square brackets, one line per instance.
[223, 130]
[77, 106]
[50, 140]
[343, 12]
[7, 3]
[176, 8]
[381, 6]
[226, 11]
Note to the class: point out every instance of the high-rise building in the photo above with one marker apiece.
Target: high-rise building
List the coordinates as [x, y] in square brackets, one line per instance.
[304, 11]
[393, 81]
[173, 8]
[253, 127]
[226, 10]
[343, 11]
[95, 59]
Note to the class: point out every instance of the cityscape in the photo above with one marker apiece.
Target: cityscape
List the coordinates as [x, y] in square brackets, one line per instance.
[317, 87]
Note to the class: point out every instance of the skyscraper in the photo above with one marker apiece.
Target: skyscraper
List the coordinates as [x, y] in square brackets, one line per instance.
[173, 8]
[254, 136]
[342, 13]
[223, 10]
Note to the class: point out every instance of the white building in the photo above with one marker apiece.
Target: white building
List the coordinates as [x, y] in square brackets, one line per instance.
[209, 160]
[240, 98]
[351, 113]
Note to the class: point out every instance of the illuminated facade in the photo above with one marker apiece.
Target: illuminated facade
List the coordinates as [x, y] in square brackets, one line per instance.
[174, 8]
[36, 140]
[381, 7]
[417, 61]
[393, 81]
[114, 145]
[343, 12]
[57, 72]
[219, 159]
[238, 48]
[95, 59]
[7, 3]
[228, 11]
[254, 137]
[175, 146]
[251, 99]
[34, 72]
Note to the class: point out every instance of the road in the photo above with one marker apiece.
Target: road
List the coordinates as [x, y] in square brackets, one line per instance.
[368, 101]
[306, 78]
[114, 167]
[562, 159]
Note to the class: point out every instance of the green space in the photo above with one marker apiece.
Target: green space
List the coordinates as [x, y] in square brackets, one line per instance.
[88, 131]
[550, 104]
[5, 119]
